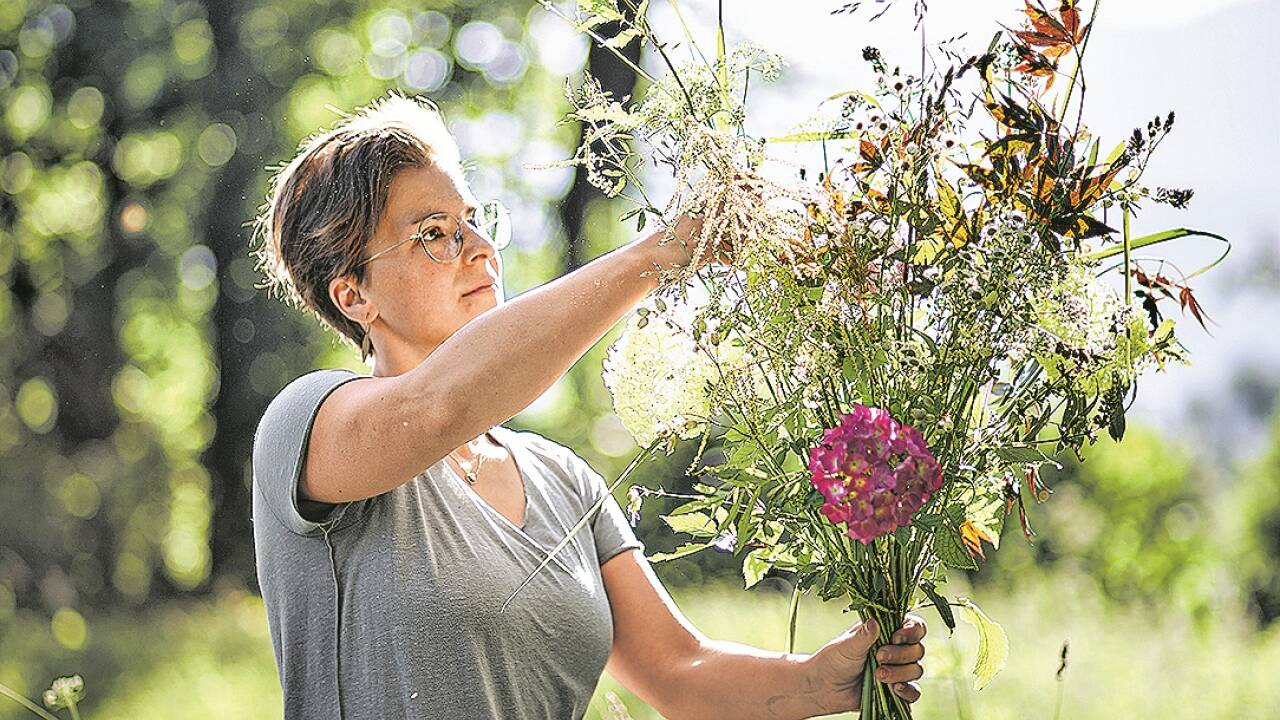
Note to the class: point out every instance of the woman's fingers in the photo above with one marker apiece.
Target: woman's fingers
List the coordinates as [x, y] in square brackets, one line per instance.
[913, 630]
[908, 691]
[899, 673]
[900, 654]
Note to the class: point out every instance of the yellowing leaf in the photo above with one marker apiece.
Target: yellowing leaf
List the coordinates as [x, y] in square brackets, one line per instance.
[755, 565]
[695, 523]
[993, 643]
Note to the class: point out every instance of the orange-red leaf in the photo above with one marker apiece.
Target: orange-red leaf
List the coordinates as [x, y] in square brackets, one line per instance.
[1188, 302]
[870, 152]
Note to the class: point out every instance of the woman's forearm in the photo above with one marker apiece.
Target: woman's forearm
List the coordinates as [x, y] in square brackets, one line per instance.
[729, 679]
[499, 363]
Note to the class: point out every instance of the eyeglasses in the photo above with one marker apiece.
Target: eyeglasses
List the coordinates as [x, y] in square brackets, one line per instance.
[440, 233]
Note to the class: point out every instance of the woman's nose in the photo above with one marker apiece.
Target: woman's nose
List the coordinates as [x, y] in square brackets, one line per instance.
[476, 243]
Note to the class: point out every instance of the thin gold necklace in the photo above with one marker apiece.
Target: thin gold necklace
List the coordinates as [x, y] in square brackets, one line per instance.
[470, 475]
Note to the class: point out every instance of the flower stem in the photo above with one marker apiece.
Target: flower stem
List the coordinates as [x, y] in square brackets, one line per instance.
[16, 697]
[791, 618]
[1071, 82]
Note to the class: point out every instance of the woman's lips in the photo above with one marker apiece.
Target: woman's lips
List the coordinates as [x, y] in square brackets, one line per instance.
[490, 286]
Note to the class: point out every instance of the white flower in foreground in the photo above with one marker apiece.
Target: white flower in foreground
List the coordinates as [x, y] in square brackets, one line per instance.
[1091, 331]
[658, 379]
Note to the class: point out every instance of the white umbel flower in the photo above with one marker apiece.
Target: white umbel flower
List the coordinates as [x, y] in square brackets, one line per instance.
[658, 379]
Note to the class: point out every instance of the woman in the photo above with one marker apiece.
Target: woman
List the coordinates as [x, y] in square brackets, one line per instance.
[395, 513]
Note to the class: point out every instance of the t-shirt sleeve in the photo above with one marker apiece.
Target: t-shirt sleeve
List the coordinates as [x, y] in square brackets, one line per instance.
[613, 534]
[280, 450]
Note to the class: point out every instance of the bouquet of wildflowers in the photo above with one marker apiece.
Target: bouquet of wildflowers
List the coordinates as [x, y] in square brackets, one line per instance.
[907, 334]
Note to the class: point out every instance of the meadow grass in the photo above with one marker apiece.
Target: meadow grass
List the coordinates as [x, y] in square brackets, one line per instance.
[212, 660]
[1123, 662]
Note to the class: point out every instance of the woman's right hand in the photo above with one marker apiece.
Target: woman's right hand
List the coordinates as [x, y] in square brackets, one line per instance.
[683, 237]
[675, 246]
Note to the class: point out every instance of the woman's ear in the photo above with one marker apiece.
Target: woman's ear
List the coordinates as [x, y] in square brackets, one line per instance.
[350, 299]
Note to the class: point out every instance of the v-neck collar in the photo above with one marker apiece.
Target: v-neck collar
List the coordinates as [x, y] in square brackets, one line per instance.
[508, 442]
[523, 462]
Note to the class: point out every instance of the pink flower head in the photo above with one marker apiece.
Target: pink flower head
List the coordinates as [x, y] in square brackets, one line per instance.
[874, 472]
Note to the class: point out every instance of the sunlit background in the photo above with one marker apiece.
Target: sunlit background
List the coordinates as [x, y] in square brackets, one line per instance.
[137, 351]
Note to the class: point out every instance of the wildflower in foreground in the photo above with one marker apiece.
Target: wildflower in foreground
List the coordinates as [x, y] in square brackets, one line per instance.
[635, 498]
[874, 472]
[725, 542]
[65, 692]
[657, 378]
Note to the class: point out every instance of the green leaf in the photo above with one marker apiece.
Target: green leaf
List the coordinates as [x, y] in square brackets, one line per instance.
[940, 604]
[697, 504]
[695, 523]
[1115, 153]
[753, 472]
[813, 136]
[1028, 454]
[686, 549]
[755, 565]
[987, 513]
[951, 550]
[1116, 426]
[601, 10]
[858, 93]
[1167, 235]
[722, 74]
[993, 643]
[621, 40]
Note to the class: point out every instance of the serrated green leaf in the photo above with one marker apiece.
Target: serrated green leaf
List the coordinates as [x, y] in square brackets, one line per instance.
[993, 643]
[755, 565]
[950, 549]
[697, 524]
[686, 549]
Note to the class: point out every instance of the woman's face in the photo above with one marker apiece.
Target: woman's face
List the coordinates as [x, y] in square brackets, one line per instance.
[421, 302]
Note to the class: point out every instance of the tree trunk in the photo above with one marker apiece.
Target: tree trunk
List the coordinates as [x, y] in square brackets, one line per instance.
[619, 80]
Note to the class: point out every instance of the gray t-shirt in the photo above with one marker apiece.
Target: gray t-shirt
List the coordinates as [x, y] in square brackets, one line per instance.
[389, 607]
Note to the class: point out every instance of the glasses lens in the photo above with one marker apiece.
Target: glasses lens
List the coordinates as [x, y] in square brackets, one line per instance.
[494, 222]
[441, 237]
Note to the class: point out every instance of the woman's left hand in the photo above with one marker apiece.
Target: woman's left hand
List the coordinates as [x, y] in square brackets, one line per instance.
[838, 666]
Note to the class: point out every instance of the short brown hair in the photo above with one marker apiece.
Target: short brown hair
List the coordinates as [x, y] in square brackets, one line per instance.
[325, 204]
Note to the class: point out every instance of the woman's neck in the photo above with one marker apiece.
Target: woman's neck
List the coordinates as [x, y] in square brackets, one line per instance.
[398, 359]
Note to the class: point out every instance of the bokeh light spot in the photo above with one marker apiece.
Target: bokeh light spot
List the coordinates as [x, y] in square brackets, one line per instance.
[69, 629]
[37, 404]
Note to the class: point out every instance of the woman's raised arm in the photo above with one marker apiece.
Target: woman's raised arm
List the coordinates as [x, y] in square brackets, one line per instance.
[372, 435]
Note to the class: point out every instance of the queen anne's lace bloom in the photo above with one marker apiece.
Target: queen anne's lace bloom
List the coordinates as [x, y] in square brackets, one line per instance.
[1093, 332]
[657, 377]
[874, 472]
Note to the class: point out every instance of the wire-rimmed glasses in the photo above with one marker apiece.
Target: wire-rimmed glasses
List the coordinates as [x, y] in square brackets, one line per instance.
[440, 233]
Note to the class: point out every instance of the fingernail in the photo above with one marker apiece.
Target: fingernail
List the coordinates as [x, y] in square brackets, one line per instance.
[872, 627]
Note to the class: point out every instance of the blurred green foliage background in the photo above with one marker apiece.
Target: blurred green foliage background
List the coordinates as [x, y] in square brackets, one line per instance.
[137, 353]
